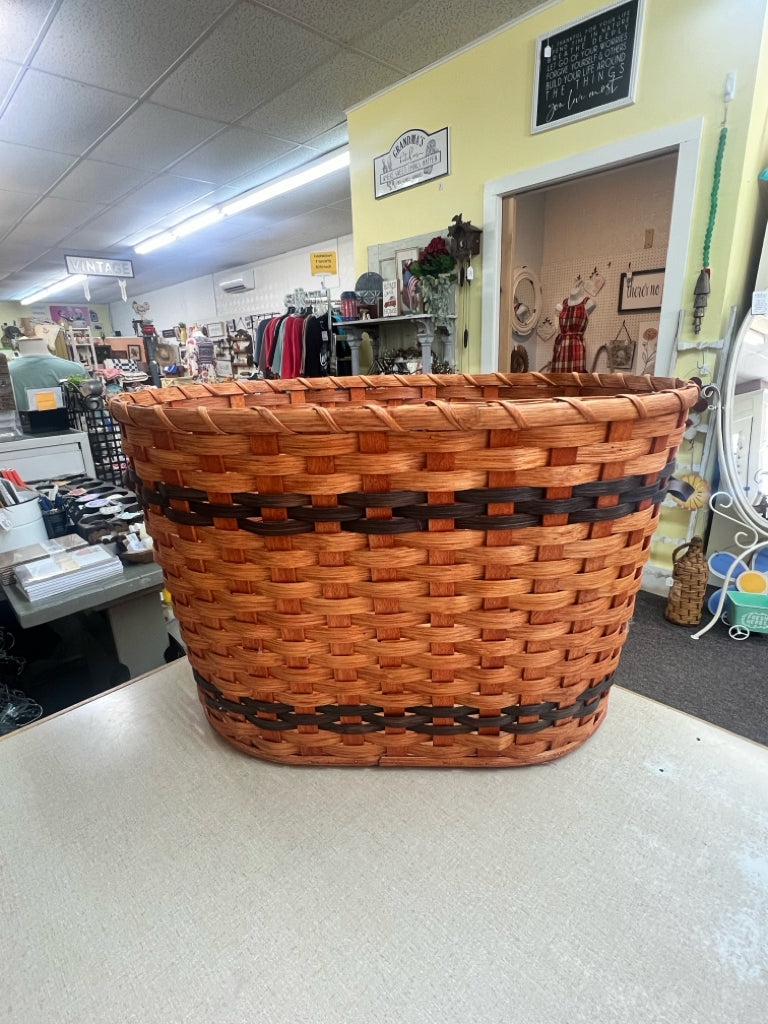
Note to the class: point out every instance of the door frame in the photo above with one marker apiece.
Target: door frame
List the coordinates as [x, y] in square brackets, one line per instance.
[683, 138]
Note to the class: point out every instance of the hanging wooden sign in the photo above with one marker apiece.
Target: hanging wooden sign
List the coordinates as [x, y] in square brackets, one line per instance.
[588, 66]
[414, 158]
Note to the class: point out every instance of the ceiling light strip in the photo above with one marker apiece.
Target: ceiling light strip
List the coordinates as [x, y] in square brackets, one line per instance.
[262, 194]
[55, 288]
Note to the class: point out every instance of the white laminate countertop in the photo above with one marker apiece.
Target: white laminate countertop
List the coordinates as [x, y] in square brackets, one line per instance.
[152, 874]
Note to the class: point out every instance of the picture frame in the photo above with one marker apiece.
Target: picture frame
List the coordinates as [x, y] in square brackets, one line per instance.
[642, 291]
[134, 352]
[647, 342]
[588, 66]
[409, 294]
[390, 299]
[388, 268]
[216, 329]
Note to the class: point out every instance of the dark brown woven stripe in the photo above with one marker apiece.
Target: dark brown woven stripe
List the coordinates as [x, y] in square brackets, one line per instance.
[418, 719]
[411, 511]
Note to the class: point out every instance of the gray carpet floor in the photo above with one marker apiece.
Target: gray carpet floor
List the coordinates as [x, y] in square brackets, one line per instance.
[721, 680]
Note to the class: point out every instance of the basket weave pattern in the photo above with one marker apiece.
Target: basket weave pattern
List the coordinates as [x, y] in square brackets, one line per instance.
[405, 570]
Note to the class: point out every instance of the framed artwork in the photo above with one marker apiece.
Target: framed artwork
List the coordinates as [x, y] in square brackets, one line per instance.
[647, 339]
[134, 352]
[390, 305]
[641, 291]
[216, 330]
[408, 285]
[588, 66]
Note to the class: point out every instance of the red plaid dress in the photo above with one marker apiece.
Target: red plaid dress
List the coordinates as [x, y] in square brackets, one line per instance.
[569, 353]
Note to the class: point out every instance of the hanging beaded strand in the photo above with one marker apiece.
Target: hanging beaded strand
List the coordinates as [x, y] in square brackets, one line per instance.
[702, 289]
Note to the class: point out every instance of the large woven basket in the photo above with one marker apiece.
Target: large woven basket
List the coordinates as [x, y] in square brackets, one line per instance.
[405, 570]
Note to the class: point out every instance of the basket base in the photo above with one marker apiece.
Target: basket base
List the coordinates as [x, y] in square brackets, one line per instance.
[539, 751]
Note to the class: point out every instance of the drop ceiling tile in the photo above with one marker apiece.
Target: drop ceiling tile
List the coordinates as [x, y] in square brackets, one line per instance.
[52, 113]
[166, 193]
[53, 219]
[129, 44]
[15, 255]
[25, 169]
[109, 229]
[22, 20]
[153, 137]
[251, 57]
[318, 102]
[12, 206]
[293, 160]
[332, 139]
[340, 20]
[8, 71]
[236, 151]
[99, 182]
[327, 191]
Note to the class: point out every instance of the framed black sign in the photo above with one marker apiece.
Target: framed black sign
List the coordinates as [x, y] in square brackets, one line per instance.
[588, 66]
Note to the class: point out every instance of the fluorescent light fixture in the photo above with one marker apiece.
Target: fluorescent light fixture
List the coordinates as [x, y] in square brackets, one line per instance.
[279, 188]
[244, 202]
[156, 242]
[58, 286]
[195, 223]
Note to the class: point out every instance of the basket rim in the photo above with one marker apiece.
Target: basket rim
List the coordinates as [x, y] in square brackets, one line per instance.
[546, 400]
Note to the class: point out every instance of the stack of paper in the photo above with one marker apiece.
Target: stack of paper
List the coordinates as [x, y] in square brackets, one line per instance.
[32, 552]
[62, 572]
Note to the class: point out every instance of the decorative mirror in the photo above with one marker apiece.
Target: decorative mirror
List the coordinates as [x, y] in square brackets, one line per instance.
[738, 548]
[526, 301]
[744, 423]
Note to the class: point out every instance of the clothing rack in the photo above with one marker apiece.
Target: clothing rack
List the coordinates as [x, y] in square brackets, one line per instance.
[301, 299]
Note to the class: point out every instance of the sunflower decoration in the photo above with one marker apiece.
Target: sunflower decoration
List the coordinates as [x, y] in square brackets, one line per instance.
[698, 497]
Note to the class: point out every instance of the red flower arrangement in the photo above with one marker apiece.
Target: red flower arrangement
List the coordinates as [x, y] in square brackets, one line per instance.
[434, 260]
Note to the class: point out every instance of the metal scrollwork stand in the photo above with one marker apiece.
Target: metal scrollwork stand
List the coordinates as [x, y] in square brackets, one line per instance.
[732, 504]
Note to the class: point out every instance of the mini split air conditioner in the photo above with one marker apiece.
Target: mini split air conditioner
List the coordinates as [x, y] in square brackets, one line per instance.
[241, 283]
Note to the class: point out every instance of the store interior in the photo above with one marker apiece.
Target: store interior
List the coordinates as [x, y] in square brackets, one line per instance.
[282, 297]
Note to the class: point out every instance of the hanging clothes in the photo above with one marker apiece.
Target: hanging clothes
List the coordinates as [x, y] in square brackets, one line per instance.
[313, 347]
[569, 353]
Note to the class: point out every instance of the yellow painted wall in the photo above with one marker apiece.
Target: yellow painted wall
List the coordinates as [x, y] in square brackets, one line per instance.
[14, 311]
[485, 96]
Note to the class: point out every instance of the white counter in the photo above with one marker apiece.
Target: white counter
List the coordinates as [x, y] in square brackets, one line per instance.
[153, 874]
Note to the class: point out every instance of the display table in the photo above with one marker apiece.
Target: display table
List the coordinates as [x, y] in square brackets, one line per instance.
[152, 873]
[132, 604]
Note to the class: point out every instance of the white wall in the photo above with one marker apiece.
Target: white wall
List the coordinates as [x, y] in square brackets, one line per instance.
[187, 302]
[201, 301]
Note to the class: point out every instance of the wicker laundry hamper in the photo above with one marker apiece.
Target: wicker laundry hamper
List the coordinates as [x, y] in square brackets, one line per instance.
[405, 570]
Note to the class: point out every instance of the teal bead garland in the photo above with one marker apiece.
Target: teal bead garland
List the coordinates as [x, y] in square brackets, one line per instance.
[702, 289]
[715, 191]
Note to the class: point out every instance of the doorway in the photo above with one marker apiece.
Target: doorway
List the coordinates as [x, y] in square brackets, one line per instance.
[589, 257]
[670, 156]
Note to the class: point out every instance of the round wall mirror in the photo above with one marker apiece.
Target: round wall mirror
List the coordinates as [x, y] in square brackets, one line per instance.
[744, 423]
[526, 301]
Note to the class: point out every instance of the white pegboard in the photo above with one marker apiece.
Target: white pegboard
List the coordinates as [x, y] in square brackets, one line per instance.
[557, 280]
